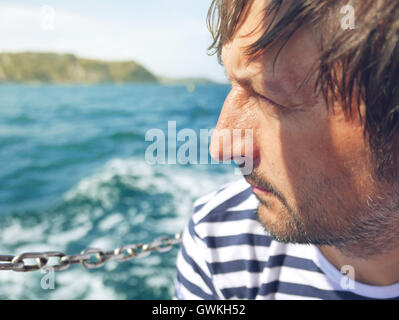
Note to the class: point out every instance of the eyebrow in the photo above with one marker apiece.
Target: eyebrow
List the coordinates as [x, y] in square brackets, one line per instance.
[271, 85]
[244, 81]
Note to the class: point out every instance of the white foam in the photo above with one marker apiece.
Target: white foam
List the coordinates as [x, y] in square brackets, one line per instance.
[102, 243]
[111, 221]
[74, 234]
[16, 233]
[137, 174]
[74, 283]
[183, 184]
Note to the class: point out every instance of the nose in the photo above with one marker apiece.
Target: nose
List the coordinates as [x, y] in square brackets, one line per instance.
[234, 137]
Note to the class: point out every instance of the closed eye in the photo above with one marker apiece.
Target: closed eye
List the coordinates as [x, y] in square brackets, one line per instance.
[269, 101]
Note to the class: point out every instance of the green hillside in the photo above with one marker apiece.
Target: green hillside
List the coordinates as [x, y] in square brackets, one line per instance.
[67, 68]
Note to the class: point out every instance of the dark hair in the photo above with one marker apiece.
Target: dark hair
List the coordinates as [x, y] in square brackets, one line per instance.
[368, 57]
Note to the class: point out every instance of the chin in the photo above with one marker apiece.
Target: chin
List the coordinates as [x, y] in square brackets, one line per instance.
[281, 225]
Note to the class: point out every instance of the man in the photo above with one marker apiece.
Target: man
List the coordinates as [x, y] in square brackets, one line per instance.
[322, 101]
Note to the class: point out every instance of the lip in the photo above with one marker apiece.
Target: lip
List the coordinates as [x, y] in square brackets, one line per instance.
[257, 189]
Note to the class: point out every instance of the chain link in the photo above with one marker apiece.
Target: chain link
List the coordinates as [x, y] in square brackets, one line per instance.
[90, 258]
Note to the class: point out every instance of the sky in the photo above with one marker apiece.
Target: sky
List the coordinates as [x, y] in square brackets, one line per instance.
[169, 37]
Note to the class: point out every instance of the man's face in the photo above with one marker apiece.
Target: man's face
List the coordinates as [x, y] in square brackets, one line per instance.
[312, 173]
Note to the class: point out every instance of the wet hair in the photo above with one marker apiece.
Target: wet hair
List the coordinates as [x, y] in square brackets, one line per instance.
[356, 66]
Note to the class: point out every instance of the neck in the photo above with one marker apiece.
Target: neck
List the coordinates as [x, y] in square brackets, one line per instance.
[378, 270]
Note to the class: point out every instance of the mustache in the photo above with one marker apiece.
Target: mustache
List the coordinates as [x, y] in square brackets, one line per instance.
[254, 179]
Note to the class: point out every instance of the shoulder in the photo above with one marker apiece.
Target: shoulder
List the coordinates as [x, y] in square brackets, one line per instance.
[232, 197]
[223, 237]
[227, 217]
[232, 204]
[226, 253]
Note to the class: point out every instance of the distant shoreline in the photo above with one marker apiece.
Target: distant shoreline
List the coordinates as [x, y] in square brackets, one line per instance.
[43, 84]
[49, 68]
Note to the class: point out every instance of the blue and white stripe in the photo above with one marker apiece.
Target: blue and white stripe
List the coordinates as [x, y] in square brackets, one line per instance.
[227, 254]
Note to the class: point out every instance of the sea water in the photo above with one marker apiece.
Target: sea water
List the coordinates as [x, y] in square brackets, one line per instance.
[73, 175]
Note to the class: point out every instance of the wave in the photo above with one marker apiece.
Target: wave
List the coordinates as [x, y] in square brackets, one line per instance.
[124, 201]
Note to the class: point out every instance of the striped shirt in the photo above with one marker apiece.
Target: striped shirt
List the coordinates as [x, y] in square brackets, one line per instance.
[227, 254]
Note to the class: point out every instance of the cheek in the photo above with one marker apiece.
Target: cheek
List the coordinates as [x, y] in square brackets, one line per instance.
[352, 155]
[324, 153]
[303, 150]
[323, 140]
[346, 140]
[303, 143]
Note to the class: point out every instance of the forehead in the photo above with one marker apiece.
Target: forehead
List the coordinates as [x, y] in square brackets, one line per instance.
[294, 61]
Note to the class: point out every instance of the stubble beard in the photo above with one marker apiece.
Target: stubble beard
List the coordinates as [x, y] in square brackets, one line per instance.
[360, 226]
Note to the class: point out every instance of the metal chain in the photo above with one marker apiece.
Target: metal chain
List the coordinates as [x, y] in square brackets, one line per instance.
[89, 258]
